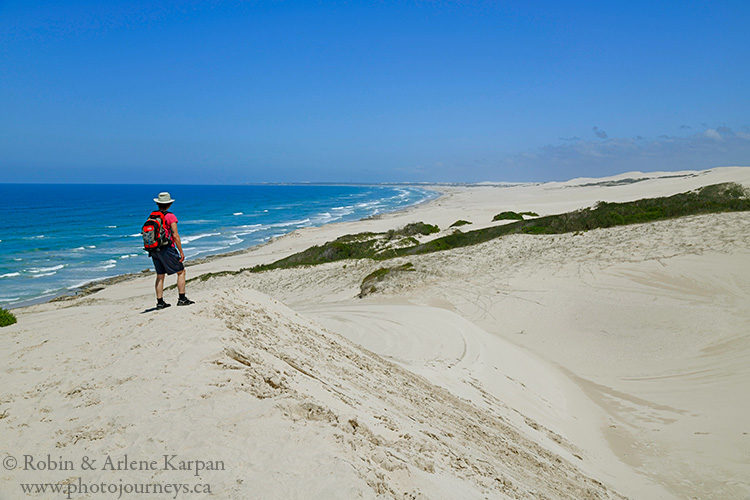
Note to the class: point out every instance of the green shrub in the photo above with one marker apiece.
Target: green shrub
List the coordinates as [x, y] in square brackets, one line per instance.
[513, 215]
[507, 216]
[341, 248]
[6, 317]
[419, 228]
[460, 222]
[412, 229]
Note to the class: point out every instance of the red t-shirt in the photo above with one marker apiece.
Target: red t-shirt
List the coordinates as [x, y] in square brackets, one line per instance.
[169, 218]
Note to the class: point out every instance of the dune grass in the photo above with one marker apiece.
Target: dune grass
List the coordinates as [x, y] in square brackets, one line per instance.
[6, 317]
[370, 281]
[460, 223]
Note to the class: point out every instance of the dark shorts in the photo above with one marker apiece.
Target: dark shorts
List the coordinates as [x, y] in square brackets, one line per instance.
[167, 260]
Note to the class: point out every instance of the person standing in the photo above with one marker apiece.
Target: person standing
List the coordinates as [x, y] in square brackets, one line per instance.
[168, 259]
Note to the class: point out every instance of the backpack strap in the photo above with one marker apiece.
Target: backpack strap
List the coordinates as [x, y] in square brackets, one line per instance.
[165, 220]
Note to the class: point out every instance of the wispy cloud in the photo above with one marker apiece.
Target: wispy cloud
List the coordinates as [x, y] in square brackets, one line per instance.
[713, 134]
[597, 157]
[719, 146]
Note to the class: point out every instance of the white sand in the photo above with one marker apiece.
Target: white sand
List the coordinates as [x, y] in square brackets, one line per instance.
[616, 362]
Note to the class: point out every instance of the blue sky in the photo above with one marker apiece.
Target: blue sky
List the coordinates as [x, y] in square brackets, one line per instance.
[233, 92]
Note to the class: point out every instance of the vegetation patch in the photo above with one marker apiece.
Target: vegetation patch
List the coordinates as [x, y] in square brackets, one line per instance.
[630, 180]
[408, 241]
[413, 229]
[6, 317]
[513, 215]
[370, 281]
[617, 182]
[341, 248]
[460, 223]
[507, 216]
[356, 246]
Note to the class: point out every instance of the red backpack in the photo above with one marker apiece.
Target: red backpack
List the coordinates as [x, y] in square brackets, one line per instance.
[155, 231]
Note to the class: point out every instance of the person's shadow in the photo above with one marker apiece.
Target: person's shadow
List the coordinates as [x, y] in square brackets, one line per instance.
[151, 309]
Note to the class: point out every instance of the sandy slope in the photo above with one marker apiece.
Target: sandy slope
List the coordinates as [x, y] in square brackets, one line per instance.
[650, 322]
[293, 410]
[531, 366]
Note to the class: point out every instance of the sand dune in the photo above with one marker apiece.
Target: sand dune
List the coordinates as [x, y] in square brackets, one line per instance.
[605, 364]
[656, 337]
[293, 410]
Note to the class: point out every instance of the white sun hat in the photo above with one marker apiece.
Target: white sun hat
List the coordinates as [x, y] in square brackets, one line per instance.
[164, 198]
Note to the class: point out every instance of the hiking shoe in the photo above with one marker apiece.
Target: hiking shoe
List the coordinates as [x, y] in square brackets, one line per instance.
[162, 305]
[185, 302]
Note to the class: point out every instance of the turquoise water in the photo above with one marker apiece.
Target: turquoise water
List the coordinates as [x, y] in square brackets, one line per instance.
[57, 237]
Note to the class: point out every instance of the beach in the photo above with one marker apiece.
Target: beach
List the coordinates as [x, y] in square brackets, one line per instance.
[603, 364]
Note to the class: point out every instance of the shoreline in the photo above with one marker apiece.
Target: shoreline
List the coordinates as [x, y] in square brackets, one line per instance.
[96, 285]
[99, 284]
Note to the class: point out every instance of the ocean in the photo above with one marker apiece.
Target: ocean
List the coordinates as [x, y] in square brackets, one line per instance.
[57, 237]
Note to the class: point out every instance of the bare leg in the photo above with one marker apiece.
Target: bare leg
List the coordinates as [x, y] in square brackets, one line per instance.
[181, 282]
[160, 286]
